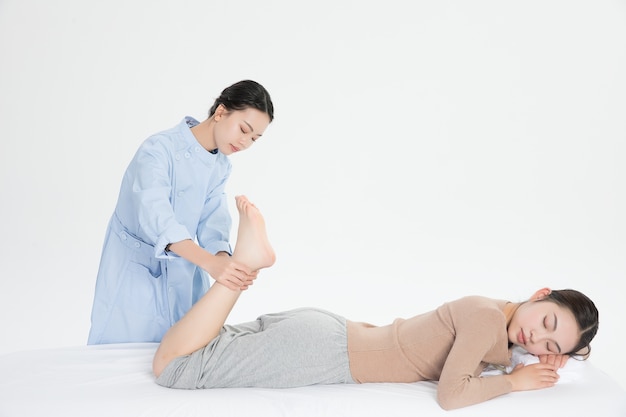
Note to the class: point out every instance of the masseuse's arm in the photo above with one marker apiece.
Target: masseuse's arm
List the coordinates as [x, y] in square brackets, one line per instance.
[222, 267]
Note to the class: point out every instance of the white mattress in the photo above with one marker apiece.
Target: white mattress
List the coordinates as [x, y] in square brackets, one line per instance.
[116, 380]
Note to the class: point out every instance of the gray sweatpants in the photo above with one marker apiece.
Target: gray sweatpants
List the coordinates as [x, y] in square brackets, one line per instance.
[289, 349]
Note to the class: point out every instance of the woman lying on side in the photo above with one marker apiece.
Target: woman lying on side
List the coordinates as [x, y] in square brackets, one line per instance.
[451, 344]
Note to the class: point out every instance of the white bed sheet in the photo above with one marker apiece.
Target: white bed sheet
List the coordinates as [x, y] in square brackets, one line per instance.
[116, 380]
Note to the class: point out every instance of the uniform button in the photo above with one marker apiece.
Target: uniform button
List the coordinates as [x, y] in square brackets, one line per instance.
[137, 244]
[177, 157]
[123, 236]
[187, 155]
[180, 193]
[197, 149]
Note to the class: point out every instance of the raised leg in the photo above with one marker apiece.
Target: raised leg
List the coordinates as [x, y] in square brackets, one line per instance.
[204, 321]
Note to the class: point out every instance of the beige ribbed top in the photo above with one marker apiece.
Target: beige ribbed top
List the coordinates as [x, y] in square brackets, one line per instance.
[451, 344]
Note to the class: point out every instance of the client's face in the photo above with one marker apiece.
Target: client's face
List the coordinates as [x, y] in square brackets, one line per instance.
[544, 327]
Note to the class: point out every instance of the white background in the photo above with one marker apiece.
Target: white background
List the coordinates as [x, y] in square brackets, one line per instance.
[421, 151]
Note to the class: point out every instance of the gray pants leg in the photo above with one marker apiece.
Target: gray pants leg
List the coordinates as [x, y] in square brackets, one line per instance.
[290, 349]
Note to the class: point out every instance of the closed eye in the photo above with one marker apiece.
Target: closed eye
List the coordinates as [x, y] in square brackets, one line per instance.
[545, 322]
[556, 349]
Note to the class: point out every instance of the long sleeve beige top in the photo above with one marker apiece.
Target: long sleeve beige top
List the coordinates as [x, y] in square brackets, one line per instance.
[451, 344]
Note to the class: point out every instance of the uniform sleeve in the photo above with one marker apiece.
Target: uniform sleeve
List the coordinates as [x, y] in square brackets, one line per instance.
[215, 222]
[460, 383]
[149, 185]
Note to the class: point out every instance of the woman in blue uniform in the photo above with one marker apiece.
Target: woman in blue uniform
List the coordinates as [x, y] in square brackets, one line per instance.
[171, 225]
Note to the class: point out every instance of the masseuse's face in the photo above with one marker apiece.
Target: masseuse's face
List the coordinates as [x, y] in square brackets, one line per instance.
[544, 327]
[237, 130]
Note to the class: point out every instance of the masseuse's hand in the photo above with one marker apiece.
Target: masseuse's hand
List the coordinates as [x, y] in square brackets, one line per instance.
[230, 273]
[558, 361]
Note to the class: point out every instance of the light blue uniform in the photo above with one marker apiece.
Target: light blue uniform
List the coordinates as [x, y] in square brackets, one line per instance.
[172, 190]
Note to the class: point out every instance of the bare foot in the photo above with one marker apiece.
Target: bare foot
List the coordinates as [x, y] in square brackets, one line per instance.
[252, 248]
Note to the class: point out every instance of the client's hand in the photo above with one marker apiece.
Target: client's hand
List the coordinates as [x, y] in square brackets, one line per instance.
[557, 360]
